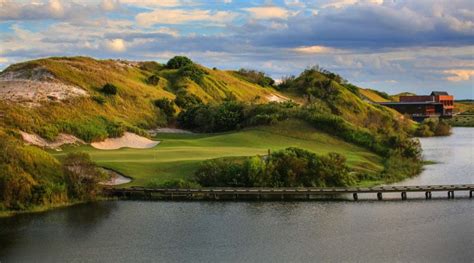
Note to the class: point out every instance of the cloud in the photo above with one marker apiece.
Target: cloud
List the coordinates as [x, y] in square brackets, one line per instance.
[116, 45]
[153, 3]
[343, 3]
[109, 5]
[268, 12]
[459, 74]
[313, 49]
[181, 16]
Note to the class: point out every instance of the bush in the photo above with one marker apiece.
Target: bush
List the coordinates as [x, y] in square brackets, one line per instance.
[291, 167]
[256, 77]
[173, 184]
[431, 127]
[167, 106]
[82, 176]
[178, 62]
[193, 72]
[153, 80]
[109, 89]
[186, 100]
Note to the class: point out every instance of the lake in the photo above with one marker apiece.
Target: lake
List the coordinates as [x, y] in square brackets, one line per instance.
[437, 230]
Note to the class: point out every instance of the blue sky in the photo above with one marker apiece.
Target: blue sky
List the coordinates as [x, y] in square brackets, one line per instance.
[390, 45]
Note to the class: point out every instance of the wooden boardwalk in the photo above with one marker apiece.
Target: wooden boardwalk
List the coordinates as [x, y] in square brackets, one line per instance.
[222, 193]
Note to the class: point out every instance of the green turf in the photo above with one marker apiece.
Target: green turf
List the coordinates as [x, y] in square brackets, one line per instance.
[178, 155]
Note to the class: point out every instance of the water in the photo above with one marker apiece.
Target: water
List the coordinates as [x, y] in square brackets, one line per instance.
[438, 230]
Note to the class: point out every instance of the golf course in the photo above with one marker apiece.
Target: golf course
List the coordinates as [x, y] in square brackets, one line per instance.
[177, 156]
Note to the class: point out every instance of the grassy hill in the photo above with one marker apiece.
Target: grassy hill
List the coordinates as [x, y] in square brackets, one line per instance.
[98, 115]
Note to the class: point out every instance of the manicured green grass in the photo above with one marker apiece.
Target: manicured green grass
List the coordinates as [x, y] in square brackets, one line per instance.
[178, 155]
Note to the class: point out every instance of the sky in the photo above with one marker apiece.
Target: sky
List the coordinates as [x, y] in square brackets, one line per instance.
[389, 45]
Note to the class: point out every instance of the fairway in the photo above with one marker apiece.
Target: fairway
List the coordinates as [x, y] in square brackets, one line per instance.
[178, 155]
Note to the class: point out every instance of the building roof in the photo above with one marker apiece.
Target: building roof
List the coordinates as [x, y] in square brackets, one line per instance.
[439, 93]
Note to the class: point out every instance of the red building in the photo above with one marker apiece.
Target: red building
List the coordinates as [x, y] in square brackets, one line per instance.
[437, 104]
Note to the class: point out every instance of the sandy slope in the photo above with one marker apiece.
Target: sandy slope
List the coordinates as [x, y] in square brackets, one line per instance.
[62, 139]
[129, 140]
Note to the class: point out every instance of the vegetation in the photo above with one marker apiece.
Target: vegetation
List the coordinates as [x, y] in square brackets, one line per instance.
[30, 177]
[82, 176]
[153, 80]
[178, 62]
[109, 89]
[431, 127]
[292, 167]
[167, 106]
[256, 77]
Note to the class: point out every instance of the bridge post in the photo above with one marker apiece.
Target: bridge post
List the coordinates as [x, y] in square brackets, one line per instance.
[404, 195]
[354, 195]
[308, 196]
[379, 195]
[470, 193]
[451, 194]
[428, 195]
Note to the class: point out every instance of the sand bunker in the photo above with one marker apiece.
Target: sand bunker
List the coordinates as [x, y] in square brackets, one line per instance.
[60, 140]
[129, 140]
[115, 178]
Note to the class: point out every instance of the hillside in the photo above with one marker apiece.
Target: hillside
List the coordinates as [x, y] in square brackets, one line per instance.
[64, 95]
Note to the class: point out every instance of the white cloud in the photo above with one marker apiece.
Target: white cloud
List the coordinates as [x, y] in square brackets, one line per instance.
[268, 12]
[153, 3]
[109, 5]
[180, 16]
[313, 49]
[344, 3]
[459, 74]
[116, 45]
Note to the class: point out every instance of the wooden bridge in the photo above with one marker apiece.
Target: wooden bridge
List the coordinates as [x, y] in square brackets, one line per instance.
[297, 193]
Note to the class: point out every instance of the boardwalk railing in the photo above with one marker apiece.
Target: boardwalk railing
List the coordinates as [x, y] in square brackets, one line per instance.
[222, 193]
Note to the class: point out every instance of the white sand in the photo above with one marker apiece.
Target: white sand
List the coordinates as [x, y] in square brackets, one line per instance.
[61, 140]
[129, 140]
[31, 93]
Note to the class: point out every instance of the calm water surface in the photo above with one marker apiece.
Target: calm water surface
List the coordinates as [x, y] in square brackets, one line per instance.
[437, 230]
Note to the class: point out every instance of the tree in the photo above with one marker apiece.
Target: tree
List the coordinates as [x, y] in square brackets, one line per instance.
[178, 62]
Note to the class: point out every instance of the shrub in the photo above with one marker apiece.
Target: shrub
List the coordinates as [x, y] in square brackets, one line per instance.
[109, 89]
[186, 100]
[82, 176]
[291, 167]
[167, 106]
[256, 77]
[153, 80]
[176, 183]
[178, 62]
[195, 73]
